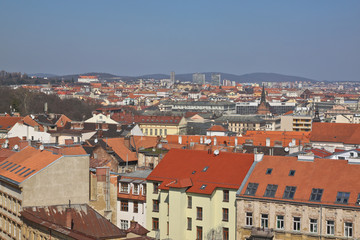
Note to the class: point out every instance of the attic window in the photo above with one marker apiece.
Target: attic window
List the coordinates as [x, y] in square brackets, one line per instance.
[251, 189]
[342, 197]
[3, 163]
[205, 169]
[269, 171]
[203, 187]
[24, 172]
[316, 194]
[292, 173]
[289, 192]
[7, 165]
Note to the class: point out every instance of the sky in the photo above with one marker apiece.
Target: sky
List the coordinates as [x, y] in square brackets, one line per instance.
[317, 39]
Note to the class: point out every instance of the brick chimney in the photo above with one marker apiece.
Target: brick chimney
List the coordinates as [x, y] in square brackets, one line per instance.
[68, 219]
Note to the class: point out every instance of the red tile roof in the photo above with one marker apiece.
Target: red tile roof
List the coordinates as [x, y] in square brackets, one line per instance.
[217, 128]
[26, 163]
[6, 123]
[346, 133]
[331, 175]
[87, 223]
[194, 169]
[118, 146]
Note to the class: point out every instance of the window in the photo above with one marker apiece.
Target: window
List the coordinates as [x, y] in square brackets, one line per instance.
[269, 171]
[189, 202]
[124, 188]
[225, 195]
[144, 190]
[198, 233]
[280, 222]
[289, 192]
[160, 132]
[251, 189]
[124, 224]
[316, 194]
[313, 225]
[136, 207]
[225, 213]
[156, 188]
[151, 132]
[124, 205]
[225, 234]
[199, 213]
[264, 221]
[348, 229]
[342, 197]
[155, 224]
[136, 189]
[296, 223]
[292, 173]
[155, 131]
[330, 227]
[155, 205]
[249, 219]
[189, 223]
[270, 190]
[165, 132]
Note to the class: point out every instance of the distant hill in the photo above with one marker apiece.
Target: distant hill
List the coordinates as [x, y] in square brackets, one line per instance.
[187, 77]
[252, 77]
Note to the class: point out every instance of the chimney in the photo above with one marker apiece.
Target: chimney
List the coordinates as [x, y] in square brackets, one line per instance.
[69, 223]
[258, 157]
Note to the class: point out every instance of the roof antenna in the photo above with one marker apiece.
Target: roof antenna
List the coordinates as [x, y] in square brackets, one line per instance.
[69, 203]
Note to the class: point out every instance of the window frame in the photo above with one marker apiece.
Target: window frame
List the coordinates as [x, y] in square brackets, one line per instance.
[251, 189]
[347, 228]
[124, 205]
[189, 202]
[249, 219]
[225, 233]
[289, 190]
[316, 194]
[155, 224]
[199, 233]
[280, 222]
[313, 225]
[342, 197]
[226, 195]
[264, 220]
[330, 227]
[297, 224]
[270, 190]
[199, 213]
[225, 214]
[136, 206]
[155, 188]
[189, 224]
[156, 205]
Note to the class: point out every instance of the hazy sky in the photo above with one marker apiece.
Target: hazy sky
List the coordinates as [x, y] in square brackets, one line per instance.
[318, 39]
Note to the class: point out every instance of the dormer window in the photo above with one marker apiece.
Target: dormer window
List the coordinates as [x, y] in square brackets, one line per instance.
[251, 189]
[316, 194]
[342, 197]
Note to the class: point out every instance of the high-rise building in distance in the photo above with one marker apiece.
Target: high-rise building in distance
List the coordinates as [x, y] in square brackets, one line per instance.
[199, 78]
[215, 79]
[172, 77]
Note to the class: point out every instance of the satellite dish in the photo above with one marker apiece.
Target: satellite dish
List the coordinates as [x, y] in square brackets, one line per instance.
[6, 145]
[216, 152]
[290, 144]
[96, 140]
[41, 147]
[208, 141]
[159, 145]
[286, 149]
[7, 141]
[16, 147]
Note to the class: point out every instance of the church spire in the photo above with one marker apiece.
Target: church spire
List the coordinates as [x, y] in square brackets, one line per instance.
[263, 96]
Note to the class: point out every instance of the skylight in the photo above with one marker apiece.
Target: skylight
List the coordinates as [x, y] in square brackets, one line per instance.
[24, 171]
[3, 163]
[11, 166]
[29, 173]
[251, 189]
[203, 187]
[205, 169]
[269, 171]
[316, 194]
[342, 197]
[15, 168]
[6, 165]
[289, 192]
[19, 170]
[292, 173]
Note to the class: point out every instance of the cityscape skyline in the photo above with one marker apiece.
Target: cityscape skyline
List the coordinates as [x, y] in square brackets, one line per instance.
[317, 40]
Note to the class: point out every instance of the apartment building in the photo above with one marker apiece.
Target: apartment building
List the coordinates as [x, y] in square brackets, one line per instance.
[131, 204]
[161, 125]
[300, 198]
[191, 194]
[34, 177]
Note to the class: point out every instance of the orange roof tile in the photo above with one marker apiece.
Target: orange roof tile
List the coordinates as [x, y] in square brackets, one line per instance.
[217, 128]
[194, 169]
[26, 163]
[6, 123]
[347, 133]
[118, 146]
[308, 175]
